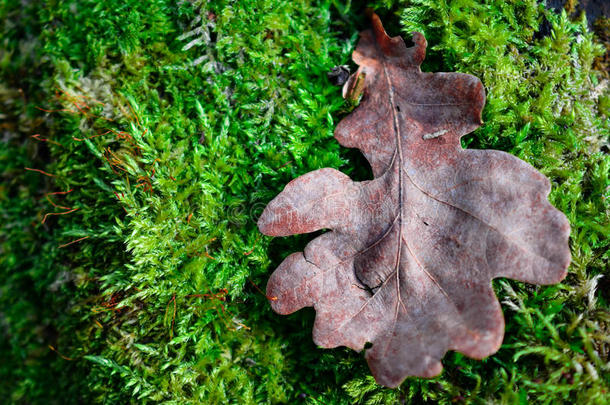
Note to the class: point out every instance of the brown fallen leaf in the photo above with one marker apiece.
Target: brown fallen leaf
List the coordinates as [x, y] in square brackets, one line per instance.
[411, 254]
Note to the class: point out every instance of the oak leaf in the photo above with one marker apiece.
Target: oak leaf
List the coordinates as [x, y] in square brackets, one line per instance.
[408, 263]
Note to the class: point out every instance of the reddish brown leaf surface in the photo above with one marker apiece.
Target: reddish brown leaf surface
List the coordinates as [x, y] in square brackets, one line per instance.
[410, 257]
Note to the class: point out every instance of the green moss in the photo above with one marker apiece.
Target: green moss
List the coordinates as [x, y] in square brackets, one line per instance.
[214, 107]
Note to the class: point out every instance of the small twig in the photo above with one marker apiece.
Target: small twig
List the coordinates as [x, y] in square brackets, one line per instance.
[74, 241]
[53, 111]
[59, 192]
[40, 171]
[248, 253]
[57, 213]
[38, 138]
[55, 205]
[91, 137]
[261, 291]
[60, 355]
[174, 315]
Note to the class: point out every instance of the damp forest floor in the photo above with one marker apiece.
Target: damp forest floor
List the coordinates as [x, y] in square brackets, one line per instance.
[139, 142]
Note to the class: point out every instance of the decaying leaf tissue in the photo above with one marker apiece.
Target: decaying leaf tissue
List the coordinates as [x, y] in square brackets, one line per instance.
[408, 263]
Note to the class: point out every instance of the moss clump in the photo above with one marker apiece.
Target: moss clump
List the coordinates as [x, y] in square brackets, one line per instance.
[172, 125]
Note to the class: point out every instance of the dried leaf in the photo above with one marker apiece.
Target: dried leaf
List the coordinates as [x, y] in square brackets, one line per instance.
[411, 254]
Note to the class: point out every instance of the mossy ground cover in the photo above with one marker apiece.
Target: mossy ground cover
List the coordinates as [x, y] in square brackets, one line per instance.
[165, 127]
